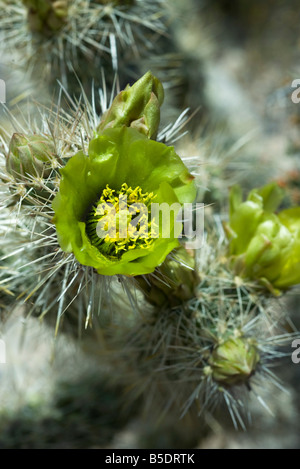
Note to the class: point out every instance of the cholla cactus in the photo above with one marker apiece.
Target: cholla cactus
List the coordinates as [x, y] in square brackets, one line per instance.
[291, 183]
[63, 39]
[207, 329]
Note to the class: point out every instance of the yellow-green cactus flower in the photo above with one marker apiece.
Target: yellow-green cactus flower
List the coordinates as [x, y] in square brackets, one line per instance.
[264, 245]
[120, 162]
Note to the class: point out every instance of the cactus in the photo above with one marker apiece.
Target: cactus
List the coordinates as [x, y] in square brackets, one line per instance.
[62, 40]
[263, 245]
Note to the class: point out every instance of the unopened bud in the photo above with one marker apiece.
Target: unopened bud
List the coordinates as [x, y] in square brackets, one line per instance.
[234, 361]
[46, 16]
[115, 2]
[264, 244]
[174, 282]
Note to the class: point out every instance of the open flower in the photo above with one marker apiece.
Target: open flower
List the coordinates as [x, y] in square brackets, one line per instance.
[265, 245]
[121, 162]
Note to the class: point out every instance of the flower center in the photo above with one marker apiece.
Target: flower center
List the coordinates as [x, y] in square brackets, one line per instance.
[121, 221]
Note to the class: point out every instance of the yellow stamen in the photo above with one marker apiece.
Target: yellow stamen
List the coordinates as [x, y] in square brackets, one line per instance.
[112, 212]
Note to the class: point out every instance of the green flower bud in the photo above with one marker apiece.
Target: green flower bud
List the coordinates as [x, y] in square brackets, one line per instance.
[174, 282]
[46, 16]
[137, 106]
[290, 272]
[30, 156]
[116, 2]
[267, 249]
[234, 361]
[263, 245]
[246, 216]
